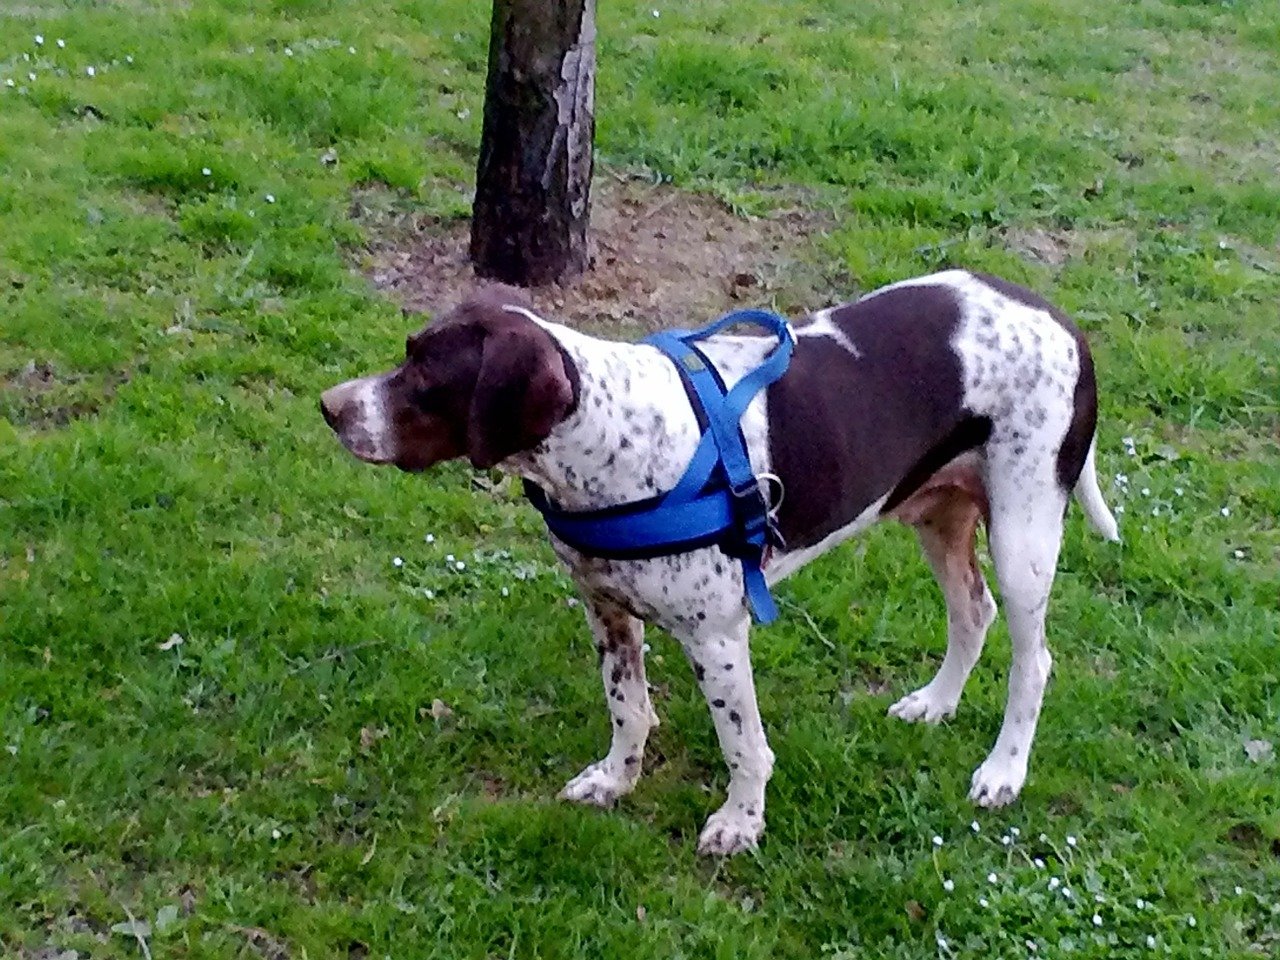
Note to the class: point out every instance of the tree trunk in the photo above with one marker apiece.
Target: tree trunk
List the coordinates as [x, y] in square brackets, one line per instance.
[533, 181]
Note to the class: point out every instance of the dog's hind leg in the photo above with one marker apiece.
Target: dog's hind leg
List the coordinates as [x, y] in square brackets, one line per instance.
[620, 642]
[1025, 537]
[946, 530]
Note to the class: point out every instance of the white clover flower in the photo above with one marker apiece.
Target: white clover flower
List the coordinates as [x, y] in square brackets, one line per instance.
[1191, 921]
[397, 562]
[1006, 840]
[270, 198]
[61, 43]
[1226, 511]
[1140, 904]
[1099, 898]
[506, 592]
[1151, 942]
[1239, 890]
[948, 885]
[1015, 831]
[975, 826]
[9, 82]
[1177, 491]
[429, 594]
[1071, 841]
[1054, 883]
[31, 77]
[448, 558]
[39, 40]
[90, 71]
[351, 49]
[1044, 838]
[1031, 945]
[206, 171]
[128, 58]
[275, 834]
[982, 902]
[937, 840]
[992, 878]
[1097, 920]
[1066, 892]
[1146, 491]
[429, 538]
[1039, 863]
[459, 566]
[288, 51]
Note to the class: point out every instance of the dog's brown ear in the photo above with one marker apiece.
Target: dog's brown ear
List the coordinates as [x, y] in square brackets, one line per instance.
[522, 391]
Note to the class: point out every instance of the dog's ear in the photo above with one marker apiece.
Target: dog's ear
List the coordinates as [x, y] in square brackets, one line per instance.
[522, 391]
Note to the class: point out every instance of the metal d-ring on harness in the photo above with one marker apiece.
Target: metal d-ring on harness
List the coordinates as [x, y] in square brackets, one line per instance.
[718, 501]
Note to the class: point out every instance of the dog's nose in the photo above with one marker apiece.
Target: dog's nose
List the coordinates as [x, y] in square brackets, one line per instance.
[327, 411]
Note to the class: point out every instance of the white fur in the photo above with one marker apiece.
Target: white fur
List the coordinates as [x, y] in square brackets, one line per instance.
[822, 326]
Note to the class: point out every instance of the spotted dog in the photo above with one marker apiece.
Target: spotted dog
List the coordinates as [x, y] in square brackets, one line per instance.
[944, 402]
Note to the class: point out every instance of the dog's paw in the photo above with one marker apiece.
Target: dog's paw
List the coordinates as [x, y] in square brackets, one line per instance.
[729, 831]
[997, 782]
[597, 786]
[926, 705]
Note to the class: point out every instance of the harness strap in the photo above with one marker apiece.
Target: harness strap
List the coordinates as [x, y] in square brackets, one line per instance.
[718, 500]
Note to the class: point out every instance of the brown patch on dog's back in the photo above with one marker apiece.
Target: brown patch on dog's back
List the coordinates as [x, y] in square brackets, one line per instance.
[844, 429]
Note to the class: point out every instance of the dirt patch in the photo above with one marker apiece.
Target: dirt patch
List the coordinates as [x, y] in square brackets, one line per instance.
[1055, 248]
[1052, 248]
[39, 396]
[660, 257]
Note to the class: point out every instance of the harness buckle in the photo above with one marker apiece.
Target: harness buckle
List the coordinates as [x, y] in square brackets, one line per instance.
[751, 525]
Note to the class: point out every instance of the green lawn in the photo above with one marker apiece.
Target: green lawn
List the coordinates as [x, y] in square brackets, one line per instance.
[177, 285]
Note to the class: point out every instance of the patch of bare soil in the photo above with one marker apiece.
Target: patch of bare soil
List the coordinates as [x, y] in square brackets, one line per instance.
[659, 257]
[1054, 248]
[39, 396]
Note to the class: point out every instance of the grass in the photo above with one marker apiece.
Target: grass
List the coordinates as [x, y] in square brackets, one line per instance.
[281, 781]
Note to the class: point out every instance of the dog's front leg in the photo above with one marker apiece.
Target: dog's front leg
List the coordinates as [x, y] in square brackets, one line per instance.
[619, 640]
[721, 661]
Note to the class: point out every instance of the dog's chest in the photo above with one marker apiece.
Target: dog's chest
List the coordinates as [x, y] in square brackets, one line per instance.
[636, 435]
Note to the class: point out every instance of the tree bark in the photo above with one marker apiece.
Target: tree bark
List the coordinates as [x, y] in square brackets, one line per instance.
[533, 180]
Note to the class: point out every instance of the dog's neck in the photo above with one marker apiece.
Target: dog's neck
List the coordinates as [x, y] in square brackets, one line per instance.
[630, 435]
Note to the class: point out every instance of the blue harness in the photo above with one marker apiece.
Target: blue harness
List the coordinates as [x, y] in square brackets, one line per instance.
[718, 501]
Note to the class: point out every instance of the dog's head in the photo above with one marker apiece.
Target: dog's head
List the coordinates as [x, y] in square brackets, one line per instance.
[485, 382]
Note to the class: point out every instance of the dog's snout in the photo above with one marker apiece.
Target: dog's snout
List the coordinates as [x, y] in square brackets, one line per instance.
[328, 412]
[334, 403]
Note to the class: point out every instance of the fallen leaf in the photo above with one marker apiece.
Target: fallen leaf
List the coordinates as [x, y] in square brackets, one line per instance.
[440, 709]
[369, 736]
[915, 911]
[166, 917]
[173, 641]
[641, 913]
[138, 929]
[1259, 751]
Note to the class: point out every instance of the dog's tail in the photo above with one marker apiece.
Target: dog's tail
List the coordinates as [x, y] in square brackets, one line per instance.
[1089, 496]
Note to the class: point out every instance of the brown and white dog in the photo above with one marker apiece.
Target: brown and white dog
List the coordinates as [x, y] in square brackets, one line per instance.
[945, 402]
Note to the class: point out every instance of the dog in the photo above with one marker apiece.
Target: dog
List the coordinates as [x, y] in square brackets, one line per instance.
[944, 402]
